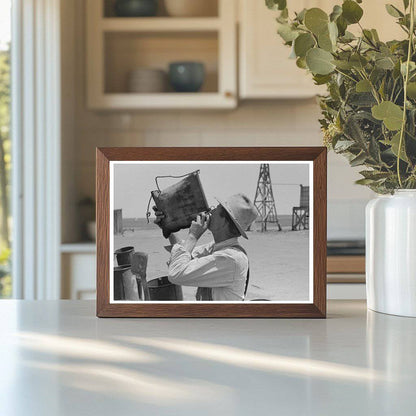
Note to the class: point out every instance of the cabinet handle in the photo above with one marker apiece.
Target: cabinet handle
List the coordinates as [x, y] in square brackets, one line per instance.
[228, 94]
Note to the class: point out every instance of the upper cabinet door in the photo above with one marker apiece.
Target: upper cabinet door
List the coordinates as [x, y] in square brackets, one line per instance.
[265, 68]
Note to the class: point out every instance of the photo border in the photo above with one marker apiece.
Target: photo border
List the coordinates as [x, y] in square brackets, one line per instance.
[316, 309]
[225, 162]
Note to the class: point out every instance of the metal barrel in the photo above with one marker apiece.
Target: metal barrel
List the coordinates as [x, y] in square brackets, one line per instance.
[125, 283]
[162, 289]
[124, 254]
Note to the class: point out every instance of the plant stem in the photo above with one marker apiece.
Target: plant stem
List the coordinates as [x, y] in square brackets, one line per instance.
[373, 90]
[392, 90]
[345, 75]
[406, 80]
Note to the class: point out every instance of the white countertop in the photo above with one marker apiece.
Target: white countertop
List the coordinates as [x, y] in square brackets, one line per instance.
[56, 358]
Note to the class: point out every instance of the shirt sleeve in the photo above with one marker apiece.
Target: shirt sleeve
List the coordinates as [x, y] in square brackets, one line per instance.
[202, 251]
[214, 270]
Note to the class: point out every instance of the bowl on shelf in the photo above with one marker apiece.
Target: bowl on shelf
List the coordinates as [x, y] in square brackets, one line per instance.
[186, 76]
[147, 80]
[191, 8]
[135, 8]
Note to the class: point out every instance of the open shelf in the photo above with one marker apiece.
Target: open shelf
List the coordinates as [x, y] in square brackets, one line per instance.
[130, 101]
[127, 51]
[160, 24]
[80, 247]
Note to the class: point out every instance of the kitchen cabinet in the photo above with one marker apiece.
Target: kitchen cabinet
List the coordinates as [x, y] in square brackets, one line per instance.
[265, 70]
[118, 45]
[78, 271]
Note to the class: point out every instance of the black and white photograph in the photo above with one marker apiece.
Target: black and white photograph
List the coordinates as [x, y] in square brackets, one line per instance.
[211, 231]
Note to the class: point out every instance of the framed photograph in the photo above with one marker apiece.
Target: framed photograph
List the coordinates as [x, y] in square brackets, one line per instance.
[211, 232]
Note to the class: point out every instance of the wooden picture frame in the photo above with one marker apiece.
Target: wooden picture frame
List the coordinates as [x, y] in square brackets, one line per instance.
[316, 308]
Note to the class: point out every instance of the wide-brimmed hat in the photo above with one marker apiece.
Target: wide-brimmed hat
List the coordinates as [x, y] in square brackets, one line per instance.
[241, 210]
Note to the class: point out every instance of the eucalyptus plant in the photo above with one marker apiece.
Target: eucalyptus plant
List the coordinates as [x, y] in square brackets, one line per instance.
[369, 113]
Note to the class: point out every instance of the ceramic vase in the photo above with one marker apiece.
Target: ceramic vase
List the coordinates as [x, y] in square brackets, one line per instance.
[391, 253]
[186, 76]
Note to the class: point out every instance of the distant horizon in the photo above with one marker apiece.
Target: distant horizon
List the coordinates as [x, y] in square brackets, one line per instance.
[133, 182]
[150, 220]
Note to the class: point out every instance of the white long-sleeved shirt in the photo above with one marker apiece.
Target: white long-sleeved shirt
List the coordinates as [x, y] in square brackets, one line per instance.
[221, 267]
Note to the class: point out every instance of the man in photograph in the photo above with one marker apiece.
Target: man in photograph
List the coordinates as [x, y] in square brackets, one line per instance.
[219, 269]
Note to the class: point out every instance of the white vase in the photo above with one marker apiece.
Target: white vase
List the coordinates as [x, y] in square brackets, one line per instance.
[391, 253]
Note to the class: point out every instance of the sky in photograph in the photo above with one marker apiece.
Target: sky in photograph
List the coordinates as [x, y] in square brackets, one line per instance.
[133, 183]
[5, 21]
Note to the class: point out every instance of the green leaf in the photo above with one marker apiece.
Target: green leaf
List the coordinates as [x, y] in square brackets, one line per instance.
[361, 99]
[412, 67]
[343, 145]
[394, 144]
[283, 17]
[343, 65]
[353, 130]
[375, 35]
[411, 90]
[348, 37]
[321, 79]
[364, 181]
[342, 25]
[300, 17]
[316, 20]
[319, 61]
[284, 14]
[405, 21]
[327, 40]
[351, 11]
[286, 32]
[393, 11]
[303, 43]
[363, 86]
[336, 12]
[374, 175]
[301, 63]
[406, 4]
[325, 43]
[368, 36]
[358, 61]
[276, 4]
[377, 75]
[381, 89]
[391, 114]
[385, 63]
[333, 32]
[396, 71]
[374, 150]
[358, 160]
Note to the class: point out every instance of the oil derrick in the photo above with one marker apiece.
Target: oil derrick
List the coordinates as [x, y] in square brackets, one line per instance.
[264, 199]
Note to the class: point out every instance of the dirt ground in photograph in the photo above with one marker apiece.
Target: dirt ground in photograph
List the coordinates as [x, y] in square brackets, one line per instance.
[279, 260]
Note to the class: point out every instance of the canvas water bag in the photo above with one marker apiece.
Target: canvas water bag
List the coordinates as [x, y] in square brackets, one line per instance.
[180, 202]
